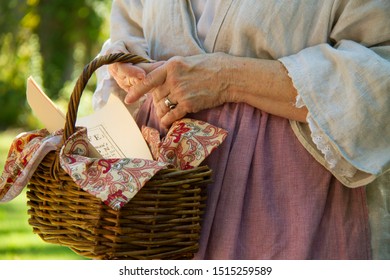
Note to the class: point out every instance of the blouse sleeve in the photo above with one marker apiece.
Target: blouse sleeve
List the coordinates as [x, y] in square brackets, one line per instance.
[126, 35]
[345, 86]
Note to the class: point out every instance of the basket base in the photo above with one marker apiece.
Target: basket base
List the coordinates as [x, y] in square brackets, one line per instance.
[163, 221]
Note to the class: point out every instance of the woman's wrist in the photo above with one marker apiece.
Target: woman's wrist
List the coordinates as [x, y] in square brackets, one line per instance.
[264, 84]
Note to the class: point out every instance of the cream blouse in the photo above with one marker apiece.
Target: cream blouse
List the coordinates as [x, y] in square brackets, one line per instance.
[337, 53]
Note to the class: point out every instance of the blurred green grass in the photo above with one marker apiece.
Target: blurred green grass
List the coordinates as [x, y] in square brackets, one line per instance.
[17, 241]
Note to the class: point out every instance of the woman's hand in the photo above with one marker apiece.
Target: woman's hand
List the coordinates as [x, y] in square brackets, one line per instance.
[193, 83]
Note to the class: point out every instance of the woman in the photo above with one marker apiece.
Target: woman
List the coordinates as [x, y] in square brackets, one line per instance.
[302, 89]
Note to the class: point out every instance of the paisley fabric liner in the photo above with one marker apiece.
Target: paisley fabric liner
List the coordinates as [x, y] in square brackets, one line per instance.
[115, 180]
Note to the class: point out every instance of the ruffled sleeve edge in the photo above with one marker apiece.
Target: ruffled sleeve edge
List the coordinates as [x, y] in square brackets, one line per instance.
[304, 135]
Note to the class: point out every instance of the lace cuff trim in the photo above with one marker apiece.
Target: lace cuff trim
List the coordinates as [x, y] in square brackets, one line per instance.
[335, 161]
[299, 102]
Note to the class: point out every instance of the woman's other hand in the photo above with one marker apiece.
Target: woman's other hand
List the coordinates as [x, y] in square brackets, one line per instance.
[126, 74]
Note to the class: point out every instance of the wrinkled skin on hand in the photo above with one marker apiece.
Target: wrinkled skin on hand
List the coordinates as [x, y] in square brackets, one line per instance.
[194, 83]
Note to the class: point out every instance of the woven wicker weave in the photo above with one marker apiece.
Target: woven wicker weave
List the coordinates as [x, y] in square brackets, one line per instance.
[161, 222]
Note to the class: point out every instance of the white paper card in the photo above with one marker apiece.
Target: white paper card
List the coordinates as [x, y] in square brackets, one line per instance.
[111, 130]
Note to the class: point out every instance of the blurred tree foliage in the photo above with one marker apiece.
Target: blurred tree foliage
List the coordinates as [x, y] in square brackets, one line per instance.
[51, 40]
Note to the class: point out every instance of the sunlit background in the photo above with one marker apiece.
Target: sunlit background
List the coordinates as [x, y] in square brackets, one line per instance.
[50, 40]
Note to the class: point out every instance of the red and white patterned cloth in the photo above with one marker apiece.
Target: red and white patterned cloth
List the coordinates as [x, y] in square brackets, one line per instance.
[116, 180]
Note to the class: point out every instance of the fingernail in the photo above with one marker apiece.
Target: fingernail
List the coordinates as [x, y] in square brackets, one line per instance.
[140, 76]
[127, 99]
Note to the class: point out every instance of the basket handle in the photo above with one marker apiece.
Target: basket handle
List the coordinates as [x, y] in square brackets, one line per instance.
[89, 69]
[73, 105]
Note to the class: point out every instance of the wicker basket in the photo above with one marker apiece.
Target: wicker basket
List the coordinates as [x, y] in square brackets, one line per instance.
[162, 221]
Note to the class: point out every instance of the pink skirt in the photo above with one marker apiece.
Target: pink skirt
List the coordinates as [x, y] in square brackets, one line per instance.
[270, 198]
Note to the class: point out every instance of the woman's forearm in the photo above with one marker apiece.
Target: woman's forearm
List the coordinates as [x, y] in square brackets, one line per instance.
[264, 84]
